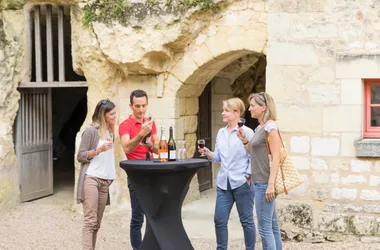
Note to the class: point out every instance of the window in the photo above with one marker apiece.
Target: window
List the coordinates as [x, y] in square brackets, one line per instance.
[372, 108]
[50, 56]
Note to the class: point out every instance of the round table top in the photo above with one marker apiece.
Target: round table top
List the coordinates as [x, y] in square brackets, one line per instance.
[156, 165]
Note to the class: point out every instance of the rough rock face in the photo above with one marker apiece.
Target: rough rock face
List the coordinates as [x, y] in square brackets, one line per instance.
[251, 81]
[296, 219]
[12, 4]
[145, 38]
[11, 53]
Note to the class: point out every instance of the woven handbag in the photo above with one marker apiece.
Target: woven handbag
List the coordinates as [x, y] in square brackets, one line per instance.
[288, 176]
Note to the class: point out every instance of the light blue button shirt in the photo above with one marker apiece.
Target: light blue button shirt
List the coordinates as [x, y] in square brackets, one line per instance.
[235, 159]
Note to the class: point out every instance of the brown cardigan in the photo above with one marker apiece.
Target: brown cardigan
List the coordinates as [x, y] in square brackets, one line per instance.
[90, 140]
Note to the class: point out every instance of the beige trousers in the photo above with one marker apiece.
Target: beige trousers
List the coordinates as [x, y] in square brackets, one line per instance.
[95, 199]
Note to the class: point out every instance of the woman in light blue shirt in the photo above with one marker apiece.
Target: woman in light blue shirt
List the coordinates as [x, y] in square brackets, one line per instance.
[234, 177]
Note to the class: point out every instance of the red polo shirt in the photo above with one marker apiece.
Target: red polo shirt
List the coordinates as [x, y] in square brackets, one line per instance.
[132, 127]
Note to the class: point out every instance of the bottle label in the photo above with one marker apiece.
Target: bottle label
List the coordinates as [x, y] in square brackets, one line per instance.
[147, 140]
[163, 155]
[172, 154]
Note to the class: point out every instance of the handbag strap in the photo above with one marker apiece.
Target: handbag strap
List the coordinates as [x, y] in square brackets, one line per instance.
[266, 140]
[270, 153]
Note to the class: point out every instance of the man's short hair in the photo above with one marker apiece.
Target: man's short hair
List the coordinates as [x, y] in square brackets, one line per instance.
[138, 93]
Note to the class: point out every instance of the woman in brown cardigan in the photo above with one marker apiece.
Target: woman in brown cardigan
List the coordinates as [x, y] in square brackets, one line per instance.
[97, 171]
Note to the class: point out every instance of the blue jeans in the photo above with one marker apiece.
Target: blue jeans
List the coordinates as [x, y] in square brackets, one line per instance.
[243, 196]
[137, 219]
[267, 219]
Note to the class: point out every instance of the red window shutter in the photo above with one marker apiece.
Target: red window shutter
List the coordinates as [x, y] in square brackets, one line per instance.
[369, 130]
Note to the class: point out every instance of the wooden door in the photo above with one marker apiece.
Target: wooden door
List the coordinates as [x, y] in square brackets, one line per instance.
[204, 132]
[34, 143]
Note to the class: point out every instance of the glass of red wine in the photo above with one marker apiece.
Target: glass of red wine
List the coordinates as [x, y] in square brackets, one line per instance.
[201, 144]
[241, 122]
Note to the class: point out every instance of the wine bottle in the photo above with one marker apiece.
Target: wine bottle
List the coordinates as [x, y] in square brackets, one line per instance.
[171, 145]
[163, 147]
[146, 139]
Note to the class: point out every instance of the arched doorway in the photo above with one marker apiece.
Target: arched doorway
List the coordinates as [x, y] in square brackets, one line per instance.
[206, 62]
[240, 78]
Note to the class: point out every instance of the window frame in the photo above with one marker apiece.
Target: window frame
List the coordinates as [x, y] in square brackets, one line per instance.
[369, 131]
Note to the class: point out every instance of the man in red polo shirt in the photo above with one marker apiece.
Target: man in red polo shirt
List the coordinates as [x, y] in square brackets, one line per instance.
[132, 131]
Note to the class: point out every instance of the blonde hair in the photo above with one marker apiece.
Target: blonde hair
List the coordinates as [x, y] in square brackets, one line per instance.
[262, 99]
[99, 117]
[234, 104]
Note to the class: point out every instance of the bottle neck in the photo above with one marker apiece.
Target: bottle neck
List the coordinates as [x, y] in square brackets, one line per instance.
[163, 134]
[170, 133]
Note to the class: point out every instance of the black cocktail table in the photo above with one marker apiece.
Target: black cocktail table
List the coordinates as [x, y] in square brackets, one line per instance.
[161, 189]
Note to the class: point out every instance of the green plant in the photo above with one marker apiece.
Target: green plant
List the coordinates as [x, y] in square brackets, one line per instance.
[153, 1]
[88, 17]
[169, 2]
[107, 11]
[202, 4]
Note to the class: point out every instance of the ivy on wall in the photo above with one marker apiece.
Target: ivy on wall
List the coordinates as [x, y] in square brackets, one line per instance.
[107, 11]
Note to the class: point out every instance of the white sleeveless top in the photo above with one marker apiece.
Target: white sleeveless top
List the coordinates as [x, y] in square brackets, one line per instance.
[103, 164]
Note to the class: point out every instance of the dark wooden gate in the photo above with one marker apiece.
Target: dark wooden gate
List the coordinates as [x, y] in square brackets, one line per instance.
[204, 132]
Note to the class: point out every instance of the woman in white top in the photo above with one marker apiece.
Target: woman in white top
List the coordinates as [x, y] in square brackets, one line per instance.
[96, 155]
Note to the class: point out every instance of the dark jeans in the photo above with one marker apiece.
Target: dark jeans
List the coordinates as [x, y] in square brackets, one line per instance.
[267, 219]
[243, 196]
[137, 219]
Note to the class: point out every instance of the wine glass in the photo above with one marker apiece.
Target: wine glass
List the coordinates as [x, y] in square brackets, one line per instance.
[201, 144]
[184, 152]
[109, 139]
[180, 150]
[241, 122]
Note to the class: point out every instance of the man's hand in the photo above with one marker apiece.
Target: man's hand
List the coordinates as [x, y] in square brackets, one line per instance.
[148, 145]
[146, 128]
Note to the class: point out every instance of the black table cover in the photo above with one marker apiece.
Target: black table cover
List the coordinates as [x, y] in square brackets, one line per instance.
[161, 189]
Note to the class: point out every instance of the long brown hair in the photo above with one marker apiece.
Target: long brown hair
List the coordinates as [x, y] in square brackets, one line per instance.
[262, 99]
[99, 117]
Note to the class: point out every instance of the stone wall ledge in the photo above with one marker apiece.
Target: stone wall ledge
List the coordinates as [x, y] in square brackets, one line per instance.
[367, 148]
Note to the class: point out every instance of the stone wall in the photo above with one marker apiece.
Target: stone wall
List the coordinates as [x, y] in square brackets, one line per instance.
[316, 62]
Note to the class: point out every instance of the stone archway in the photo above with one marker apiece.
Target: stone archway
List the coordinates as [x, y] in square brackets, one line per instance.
[174, 68]
[207, 55]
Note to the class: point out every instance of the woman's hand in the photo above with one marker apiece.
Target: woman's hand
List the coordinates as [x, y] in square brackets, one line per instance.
[248, 178]
[203, 150]
[104, 147]
[269, 194]
[241, 135]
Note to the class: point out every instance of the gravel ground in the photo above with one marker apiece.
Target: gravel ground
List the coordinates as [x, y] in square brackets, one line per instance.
[49, 223]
